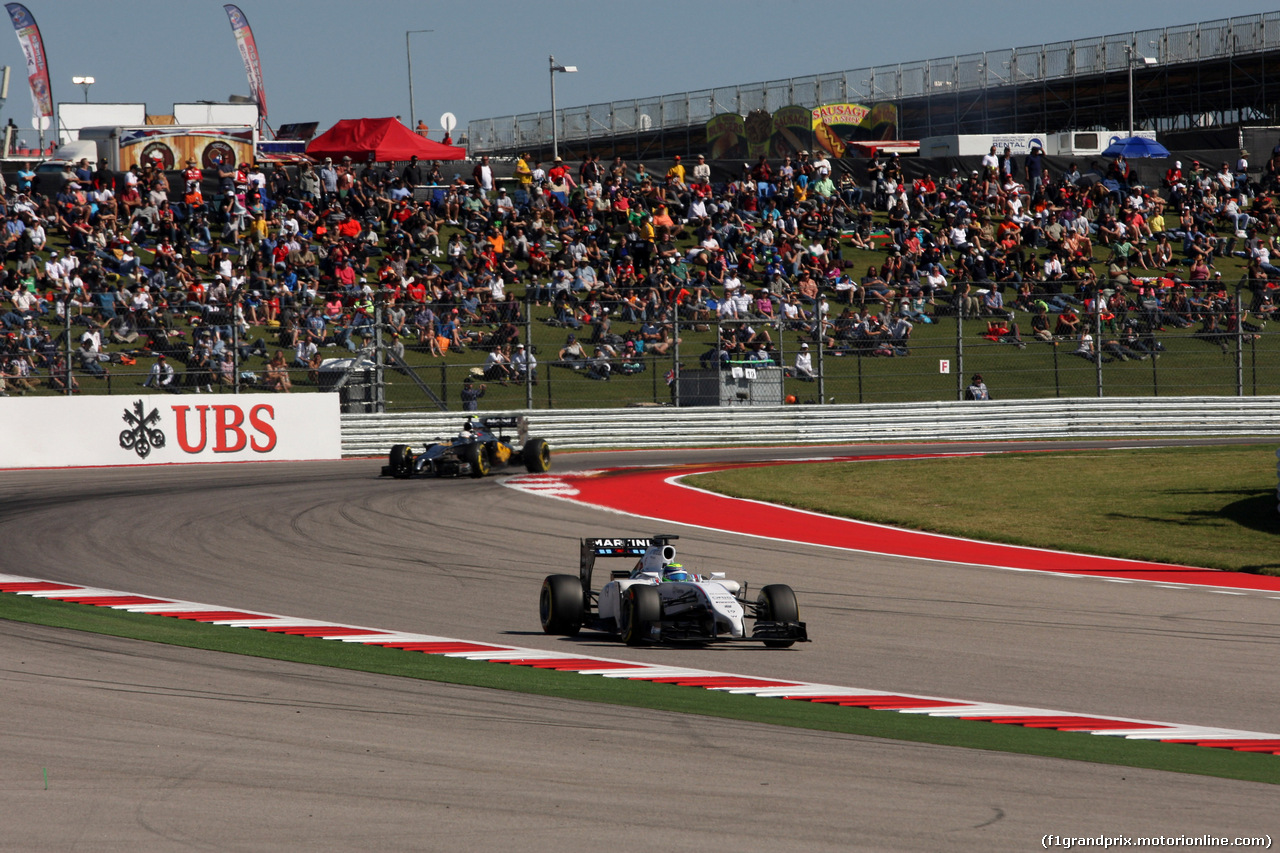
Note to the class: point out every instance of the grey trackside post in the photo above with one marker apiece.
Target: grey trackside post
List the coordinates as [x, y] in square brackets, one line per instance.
[1097, 340]
[379, 377]
[1239, 346]
[528, 344]
[821, 339]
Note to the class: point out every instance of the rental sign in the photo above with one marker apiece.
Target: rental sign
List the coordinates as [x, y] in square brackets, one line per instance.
[146, 429]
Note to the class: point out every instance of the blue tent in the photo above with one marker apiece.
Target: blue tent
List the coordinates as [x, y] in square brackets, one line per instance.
[1135, 146]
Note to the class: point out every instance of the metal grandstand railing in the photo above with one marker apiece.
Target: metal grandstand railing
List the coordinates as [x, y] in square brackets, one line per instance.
[1219, 39]
[374, 434]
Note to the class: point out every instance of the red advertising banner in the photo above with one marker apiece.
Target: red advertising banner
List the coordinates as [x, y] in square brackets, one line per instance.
[249, 53]
[37, 68]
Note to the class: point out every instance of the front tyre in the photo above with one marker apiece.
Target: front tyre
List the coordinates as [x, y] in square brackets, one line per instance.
[537, 456]
[477, 458]
[400, 462]
[561, 605]
[641, 610]
[777, 603]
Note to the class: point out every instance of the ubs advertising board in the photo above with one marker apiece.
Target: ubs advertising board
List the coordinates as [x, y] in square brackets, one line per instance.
[147, 429]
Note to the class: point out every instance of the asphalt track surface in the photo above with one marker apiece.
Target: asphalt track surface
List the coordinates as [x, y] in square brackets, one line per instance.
[151, 747]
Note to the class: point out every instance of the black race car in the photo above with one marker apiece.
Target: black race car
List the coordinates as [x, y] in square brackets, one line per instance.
[476, 451]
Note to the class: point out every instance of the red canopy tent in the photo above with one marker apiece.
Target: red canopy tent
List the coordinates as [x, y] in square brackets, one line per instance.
[379, 139]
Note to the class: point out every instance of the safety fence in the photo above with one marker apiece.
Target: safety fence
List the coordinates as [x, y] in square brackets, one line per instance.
[945, 76]
[373, 435]
[725, 362]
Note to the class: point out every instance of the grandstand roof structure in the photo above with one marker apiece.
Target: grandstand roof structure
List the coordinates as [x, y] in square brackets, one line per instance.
[1211, 74]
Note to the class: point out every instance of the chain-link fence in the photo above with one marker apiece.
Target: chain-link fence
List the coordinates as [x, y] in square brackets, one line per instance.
[627, 359]
[762, 362]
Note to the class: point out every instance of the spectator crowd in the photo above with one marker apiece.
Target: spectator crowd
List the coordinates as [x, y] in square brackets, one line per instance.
[253, 272]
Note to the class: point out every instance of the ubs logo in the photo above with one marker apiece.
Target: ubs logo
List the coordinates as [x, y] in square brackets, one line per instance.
[225, 428]
[215, 428]
[142, 434]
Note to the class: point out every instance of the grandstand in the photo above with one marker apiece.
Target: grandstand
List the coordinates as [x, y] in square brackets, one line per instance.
[1204, 76]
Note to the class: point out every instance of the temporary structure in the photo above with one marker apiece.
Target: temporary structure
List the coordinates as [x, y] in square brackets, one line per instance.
[378, 139]
[1136, 146]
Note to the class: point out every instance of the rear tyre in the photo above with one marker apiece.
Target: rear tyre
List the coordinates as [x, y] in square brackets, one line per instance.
[401, 461]
[641, 610]
[478, 458]
[560, 606]
[777, 603]
[537, 456]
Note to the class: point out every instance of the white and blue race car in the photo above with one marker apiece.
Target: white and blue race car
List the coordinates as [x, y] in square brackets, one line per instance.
[659, 601]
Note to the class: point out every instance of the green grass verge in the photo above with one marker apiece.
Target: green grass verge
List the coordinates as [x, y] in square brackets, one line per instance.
[1252, 767]
[1203, 506]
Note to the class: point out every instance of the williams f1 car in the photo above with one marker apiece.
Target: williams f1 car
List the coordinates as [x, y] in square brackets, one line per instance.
[657, 600]
[481, 447]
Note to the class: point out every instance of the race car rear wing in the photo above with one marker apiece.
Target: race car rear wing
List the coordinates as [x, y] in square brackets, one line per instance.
[590, 549]
[497, 424]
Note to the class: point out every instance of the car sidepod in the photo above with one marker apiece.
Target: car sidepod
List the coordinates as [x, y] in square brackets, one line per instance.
[701, 609]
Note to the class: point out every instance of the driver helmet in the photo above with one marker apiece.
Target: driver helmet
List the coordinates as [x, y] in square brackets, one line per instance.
[674, 572]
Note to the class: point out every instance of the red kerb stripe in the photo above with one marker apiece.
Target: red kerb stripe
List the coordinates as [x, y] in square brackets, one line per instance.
[317, 630]
[35, 586]
[440, 648]
[109, 600]
[214, 615]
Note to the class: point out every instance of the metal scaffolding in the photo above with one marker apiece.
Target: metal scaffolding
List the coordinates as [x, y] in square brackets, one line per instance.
[1209, 74]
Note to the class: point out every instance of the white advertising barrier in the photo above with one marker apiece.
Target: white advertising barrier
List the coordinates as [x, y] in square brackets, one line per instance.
[149, 429]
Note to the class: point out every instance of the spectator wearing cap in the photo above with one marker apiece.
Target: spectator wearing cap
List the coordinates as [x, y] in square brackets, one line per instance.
[702, 171]
[600, 367]
[161, 376]
[525, 364]
[1242, 172]
[676, 174]
[571, 354]
[447, 331]
[524, 176]
[91, 358]
[471, 394]
[560, 182]
[824, 187]
[1033, 166]
[56, 272]
[503, 206]
[328, 180]
[803, 369]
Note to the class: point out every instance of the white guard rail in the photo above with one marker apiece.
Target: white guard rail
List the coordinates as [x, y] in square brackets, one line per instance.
[373, 435]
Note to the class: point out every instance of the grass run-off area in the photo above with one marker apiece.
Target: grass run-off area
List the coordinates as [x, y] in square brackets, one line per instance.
[1255, 767]
[1202, 506]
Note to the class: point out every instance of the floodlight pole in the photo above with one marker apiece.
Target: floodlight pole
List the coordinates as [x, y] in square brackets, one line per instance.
[1128, 62]
[1129, 56]
[409, 58]
[555, 132]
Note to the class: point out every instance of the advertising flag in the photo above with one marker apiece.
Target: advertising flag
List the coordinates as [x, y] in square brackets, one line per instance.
[37, 67]
[249, 53]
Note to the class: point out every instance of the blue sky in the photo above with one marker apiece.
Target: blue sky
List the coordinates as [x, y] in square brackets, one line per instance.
[324, 60]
